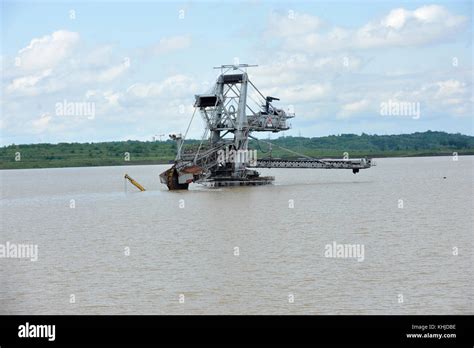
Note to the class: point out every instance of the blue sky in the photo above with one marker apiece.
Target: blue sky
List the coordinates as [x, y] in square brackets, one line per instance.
[140, 64]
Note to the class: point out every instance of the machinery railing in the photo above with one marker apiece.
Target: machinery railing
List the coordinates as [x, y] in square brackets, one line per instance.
[359, 163]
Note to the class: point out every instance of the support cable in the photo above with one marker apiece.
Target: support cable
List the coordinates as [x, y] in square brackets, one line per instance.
[204, 136]
[185, 134]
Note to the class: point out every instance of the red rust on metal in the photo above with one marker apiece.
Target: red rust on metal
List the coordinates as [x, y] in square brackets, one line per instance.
[172, 180]
[192, 170]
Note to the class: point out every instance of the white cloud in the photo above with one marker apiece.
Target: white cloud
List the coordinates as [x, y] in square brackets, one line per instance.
[409, 28]
[171, 44]
[300, 93]
[47, 51]
[396, 18]
[305, 66]
[107, 98]
[99, 56]
[174, 86]
[65, 70]
[299, 68]
[450, 88]
[111, 73]
[310, 55]
[353, 108]
[434, 13]
[27, 84]
[291, 24]
[400, 27]
[315, 60]
[41, 124]
[451, 96]
[56, 63]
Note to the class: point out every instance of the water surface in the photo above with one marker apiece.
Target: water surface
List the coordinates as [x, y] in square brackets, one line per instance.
[190, 249]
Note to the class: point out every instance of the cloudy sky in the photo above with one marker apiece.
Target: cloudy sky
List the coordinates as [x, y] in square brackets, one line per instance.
[140, 64]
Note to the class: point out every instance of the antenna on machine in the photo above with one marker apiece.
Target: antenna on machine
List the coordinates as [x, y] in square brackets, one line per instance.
[226, 67]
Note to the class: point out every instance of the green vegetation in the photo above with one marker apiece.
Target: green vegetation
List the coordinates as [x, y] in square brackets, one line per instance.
[87, 154]
[113, 153]
[417, 144]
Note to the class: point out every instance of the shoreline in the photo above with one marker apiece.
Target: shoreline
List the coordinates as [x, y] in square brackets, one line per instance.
[134, 152]
[170, 162]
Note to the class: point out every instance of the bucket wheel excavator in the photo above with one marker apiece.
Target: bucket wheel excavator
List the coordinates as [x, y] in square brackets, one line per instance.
[232, 111]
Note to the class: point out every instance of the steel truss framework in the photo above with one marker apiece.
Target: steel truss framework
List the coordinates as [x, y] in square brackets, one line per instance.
[233, 110]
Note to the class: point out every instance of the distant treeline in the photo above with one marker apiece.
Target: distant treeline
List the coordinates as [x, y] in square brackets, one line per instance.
[157, 152]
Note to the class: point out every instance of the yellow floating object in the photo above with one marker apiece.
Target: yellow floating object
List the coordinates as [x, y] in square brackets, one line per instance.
[136, 184]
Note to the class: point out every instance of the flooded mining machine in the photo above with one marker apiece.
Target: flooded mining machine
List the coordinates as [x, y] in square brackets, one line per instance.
[232, 110]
